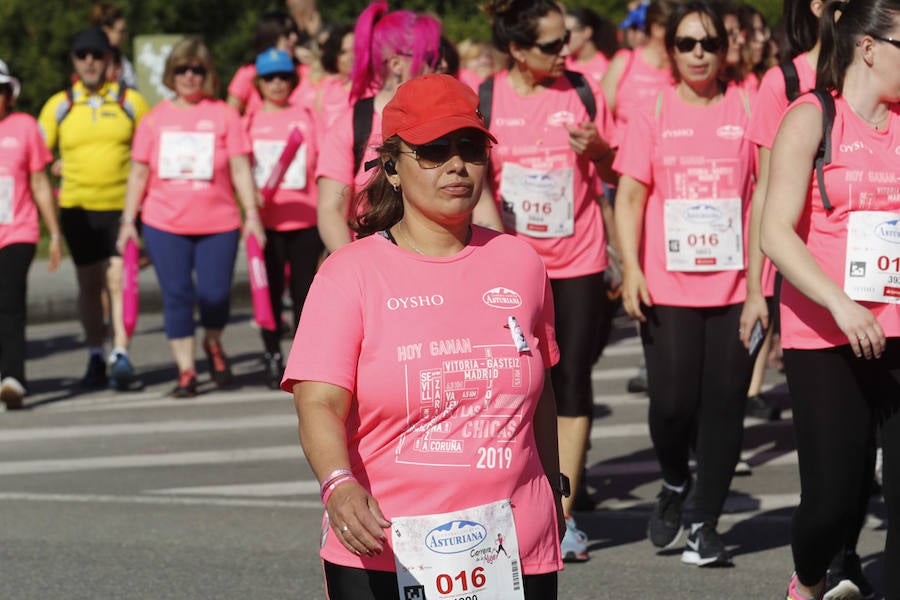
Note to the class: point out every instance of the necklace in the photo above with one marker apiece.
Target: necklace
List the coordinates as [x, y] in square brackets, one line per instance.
[407, 240]
[875, 124]
[416, 248]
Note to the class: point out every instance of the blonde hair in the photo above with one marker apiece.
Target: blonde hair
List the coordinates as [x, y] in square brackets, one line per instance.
[187, 52]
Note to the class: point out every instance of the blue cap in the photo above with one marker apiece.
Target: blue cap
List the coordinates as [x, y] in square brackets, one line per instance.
[636, 18]
[274, 61]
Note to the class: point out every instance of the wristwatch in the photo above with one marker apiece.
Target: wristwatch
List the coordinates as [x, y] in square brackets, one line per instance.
[564, 488]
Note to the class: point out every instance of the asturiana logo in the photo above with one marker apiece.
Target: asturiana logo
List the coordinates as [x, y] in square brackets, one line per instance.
[501, 297]
[889, 231]
[702, 213]
[730, 132]
[455, 537]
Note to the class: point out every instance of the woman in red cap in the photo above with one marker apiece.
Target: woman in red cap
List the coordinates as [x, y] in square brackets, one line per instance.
[419, 372]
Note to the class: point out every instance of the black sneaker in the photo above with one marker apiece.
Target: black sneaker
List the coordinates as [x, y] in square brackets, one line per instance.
[844, 579]
[187, 385]
[274, 370]
[665, 526]
[219, 369]
[705, 548]
[762, 408]
[638, 383]
[95, 376]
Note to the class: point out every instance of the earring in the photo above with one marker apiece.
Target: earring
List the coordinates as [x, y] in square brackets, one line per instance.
[396, 187]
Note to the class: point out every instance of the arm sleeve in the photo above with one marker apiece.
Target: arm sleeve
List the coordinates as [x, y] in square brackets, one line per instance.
[38, 154]
[769, 106]
[47, 120]
[329, 336]
[337, 149]
[636, 151]
[236, 139]
[143, 141]
[140, 105]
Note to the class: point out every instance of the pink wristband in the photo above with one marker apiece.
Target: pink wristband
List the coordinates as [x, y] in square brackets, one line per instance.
[332, 476]
[333, 486]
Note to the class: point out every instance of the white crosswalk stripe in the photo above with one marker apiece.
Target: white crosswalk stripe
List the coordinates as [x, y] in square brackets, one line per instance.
[269, 413]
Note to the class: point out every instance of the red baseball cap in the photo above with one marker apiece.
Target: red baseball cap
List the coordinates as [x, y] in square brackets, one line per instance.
[430, 106]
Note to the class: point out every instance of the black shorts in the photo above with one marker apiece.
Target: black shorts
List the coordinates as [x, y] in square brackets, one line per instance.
[90, 234]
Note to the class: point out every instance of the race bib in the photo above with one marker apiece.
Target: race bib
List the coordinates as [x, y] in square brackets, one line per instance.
[537, 203]
[266, 154]
[872, 271]
[186, 155]
[472, 553]
[704, 235]
[7, 193]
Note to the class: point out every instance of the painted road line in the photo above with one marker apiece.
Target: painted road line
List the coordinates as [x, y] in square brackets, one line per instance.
[254, 490]
[160, 399]
[148, 428]
[137, 461]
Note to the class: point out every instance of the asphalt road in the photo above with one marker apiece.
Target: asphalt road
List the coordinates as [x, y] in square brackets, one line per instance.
[136, 495]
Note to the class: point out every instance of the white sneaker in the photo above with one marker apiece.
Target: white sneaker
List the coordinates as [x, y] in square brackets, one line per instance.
[574, 543]
[12, 393]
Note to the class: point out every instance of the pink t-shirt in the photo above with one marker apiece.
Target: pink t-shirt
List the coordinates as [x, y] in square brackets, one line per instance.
[242, 88]
[687, 152]
[424, 346]
[864, 175]
[188, 149]
[593, 70]
[470, 78]
[771, 102]
[22, 152]
[533, 139]
[638, 89]
[337, 150]
[332, 99]
[294, 204]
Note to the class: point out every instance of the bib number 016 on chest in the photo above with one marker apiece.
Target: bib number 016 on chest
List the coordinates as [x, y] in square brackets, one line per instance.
[872, 271]
[704, 235]
[469, 554]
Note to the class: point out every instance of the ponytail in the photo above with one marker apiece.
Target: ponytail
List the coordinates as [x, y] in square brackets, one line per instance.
[363, 74]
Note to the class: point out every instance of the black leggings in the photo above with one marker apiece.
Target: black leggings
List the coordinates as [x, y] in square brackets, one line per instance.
[837, 400]
[581, 308]
[349, 583]
[301, 249]
[697, 377]
[15, 259]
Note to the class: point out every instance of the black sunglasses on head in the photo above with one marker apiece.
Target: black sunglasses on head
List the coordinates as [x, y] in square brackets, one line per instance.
[92, 52]
[284, 76]
[687, 44]
[556, 46]
[472, 147]
[195, 69]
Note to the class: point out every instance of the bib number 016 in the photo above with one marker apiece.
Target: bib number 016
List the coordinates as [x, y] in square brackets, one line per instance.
[461, 582]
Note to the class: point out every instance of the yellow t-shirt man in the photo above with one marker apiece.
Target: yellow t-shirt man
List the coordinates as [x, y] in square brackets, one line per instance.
[93, 132]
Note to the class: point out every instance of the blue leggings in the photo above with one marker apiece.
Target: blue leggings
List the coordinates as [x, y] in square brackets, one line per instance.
[177, 259]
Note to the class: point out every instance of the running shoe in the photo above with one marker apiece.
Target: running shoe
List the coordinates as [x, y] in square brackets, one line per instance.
[95, 376]
[187, 385]
[665, 526]
[879, 468]
[218, 363]
[705, 548]
[761, 407]
[743, 469]
[274, 370]
[845, 580]
[793, 594]
[121, 373]
[638, 383]
[12, 394]
[574, 543]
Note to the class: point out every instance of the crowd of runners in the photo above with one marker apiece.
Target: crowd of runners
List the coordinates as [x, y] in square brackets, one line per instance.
[733, 189]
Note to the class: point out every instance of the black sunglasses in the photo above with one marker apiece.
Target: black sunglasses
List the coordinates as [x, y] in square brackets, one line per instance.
[687, 44]
[891, 41]
[471, 147]
[556, 46]
[92, 52]
[284, 76]
[195, 69]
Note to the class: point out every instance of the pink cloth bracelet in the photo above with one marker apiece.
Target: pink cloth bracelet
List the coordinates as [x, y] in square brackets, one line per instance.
[333, 486]
[332, 476]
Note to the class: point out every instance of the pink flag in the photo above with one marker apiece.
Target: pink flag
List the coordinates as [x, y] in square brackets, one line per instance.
[287, 156]
[259, 284]
[130, 287]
